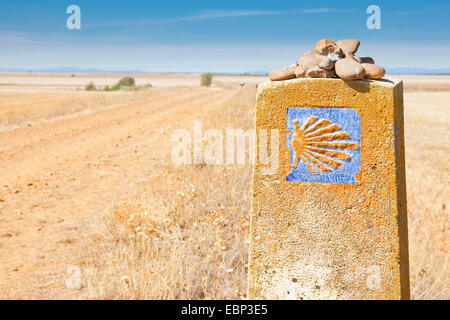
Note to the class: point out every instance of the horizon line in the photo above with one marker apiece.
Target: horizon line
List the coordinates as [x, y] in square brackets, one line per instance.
[75, 70]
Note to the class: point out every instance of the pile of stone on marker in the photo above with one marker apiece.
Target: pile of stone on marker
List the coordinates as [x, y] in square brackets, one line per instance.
[331, 60]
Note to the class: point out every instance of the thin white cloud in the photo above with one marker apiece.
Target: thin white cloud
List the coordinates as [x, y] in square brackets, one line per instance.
[318, 10]
[423, 11]
[214, 14]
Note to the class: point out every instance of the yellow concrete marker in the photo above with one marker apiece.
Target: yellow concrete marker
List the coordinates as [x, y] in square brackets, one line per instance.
[331, 222]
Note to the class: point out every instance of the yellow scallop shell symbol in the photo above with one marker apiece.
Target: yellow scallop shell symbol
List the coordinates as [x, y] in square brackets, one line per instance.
[314, 141]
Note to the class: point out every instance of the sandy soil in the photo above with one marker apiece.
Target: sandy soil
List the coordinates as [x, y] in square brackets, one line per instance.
[55, 175]
[38, 82]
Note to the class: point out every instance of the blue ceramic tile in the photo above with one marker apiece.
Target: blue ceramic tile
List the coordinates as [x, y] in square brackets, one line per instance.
[328, 144]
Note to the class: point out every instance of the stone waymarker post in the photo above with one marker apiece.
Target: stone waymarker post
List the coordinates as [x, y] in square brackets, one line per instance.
[331, 222]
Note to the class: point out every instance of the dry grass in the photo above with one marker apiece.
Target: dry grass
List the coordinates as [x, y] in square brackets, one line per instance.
[427, 157]
[23, 108]
[187, 237]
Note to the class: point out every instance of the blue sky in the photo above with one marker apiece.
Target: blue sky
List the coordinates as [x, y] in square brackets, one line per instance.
[218, 36]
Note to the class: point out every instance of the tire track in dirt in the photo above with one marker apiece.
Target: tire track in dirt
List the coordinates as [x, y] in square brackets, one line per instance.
[57, 176]
[8, 138]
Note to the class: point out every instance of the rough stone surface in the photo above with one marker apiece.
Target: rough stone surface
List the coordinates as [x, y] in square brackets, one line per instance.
[367, 60]
[334, 57]
[283, 74]
[317, 72]
[328, 240]
[349, 55]
[349, 69]
[310, 59]
[330, 49]
[300, 72]
[373, 71]
[321, 44]
[350, 45]
[328, 63]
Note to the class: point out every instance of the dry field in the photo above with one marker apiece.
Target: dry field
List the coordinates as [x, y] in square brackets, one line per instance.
[86, 181]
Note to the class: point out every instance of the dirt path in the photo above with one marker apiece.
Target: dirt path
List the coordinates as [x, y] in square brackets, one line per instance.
[55, 177]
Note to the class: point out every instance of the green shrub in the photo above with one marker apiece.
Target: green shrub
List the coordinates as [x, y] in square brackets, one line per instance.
[116, 87]
[126, 82]
[113, 88]
[206, 79]
[137, 88]
[90, 86]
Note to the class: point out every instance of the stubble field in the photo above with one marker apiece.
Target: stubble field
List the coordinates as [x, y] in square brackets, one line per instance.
[88, 188]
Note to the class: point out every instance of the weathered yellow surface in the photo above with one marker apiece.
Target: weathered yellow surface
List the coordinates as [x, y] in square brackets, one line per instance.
[314, 240]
